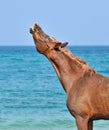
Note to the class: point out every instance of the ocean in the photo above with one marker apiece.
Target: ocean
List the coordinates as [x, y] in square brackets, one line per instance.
[31, 96]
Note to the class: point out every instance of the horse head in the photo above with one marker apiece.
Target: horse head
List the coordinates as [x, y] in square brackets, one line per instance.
[43, 42]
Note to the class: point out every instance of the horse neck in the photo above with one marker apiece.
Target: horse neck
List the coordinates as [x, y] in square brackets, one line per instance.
[68, 69]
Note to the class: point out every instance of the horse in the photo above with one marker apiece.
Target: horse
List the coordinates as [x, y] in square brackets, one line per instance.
[87, 91]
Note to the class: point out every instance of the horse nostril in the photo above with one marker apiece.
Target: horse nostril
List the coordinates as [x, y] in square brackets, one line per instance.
[31, 30]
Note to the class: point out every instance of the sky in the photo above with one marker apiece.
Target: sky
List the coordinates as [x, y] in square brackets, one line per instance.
[79, 22]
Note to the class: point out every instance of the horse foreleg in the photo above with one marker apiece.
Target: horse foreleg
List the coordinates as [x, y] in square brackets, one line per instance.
[90, 125]
[82, 123]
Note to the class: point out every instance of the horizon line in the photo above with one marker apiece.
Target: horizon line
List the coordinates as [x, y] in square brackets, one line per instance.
[67, 45]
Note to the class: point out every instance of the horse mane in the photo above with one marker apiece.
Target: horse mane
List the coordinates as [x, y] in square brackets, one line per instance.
[78, 61]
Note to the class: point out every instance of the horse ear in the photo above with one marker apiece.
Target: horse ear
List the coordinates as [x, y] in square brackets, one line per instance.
[58, 45]
[64, 44]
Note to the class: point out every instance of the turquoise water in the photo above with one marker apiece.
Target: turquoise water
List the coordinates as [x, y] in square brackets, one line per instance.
[31, 97]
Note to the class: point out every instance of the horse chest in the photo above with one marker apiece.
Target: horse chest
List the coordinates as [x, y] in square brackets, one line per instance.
[76, 104]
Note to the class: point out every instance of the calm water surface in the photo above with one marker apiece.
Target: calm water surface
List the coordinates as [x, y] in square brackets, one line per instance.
[31, 97]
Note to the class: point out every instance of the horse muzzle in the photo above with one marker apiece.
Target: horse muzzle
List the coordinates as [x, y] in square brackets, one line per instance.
[34, 28]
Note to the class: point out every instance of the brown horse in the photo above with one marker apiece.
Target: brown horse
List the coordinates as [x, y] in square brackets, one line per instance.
[87, 91]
